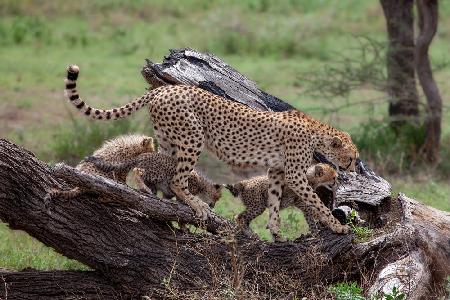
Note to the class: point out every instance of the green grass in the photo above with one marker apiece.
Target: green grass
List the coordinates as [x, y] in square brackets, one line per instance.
[426, 190]
[275, 43]
[292, 221]
[18, 251]
[347, 291]
[351, 291]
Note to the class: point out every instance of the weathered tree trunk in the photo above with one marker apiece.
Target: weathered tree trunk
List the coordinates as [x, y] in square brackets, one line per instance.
[428, 20]
[129, 240]
[135, 251]
[405, 59]
[404, 99]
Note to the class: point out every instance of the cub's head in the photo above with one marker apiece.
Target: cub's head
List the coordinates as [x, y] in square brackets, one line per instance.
[341, 151]
[321, 175]
[138, 172]
[147, 144]
[211, 194]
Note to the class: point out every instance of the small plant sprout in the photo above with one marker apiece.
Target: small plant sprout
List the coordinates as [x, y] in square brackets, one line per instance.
[395, 294]
[362, 233]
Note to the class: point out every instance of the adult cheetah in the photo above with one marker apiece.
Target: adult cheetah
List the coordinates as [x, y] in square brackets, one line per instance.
[254, 194]
[187, 119]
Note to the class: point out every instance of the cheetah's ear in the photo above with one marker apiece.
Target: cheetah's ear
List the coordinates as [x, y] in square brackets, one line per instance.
[318, 171]
[336, 142]
[217, 186]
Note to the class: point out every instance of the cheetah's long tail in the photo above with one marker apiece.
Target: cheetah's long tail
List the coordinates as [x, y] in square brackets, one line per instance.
[102, 114]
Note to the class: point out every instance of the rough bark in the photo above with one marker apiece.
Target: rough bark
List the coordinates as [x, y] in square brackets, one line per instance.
[190, 67]
[32, 284]
[428, 20]
[404, 99]
[425, 233]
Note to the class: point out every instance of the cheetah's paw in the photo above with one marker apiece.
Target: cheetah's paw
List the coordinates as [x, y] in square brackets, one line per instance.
[202, 210]
[343, 229]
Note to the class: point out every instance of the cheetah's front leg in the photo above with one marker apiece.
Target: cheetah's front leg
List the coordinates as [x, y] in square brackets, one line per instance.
[179, 186]
[297, 181]
[138, 173]
[186, 159]
[276, 182]
[66, 195]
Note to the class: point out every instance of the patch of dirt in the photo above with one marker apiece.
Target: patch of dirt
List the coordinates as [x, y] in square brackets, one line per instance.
[48, 109]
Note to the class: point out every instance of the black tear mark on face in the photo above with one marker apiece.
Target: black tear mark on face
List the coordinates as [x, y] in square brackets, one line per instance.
[348, 166]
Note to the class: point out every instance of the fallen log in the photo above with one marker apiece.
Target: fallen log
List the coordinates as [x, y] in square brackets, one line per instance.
[135, 252]
[127, 241]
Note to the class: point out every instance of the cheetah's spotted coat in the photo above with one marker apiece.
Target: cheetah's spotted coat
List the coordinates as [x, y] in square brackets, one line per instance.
[188, 119]
[254, 194]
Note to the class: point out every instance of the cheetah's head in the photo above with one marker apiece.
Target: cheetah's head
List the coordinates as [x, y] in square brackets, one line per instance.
[139, 172]
[147, 144]
[211, 194]
[340, 150]
[322, 175]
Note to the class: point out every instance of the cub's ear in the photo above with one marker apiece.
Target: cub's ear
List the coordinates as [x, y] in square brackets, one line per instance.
[217, 186]
[318, 171]
[336, 142]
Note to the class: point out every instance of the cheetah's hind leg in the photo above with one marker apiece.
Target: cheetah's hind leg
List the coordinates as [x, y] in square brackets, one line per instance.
[276, 182]
[138, 174]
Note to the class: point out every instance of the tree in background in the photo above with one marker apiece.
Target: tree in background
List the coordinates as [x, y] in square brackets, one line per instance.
[428, 20]
[401, 82]
[405, 59]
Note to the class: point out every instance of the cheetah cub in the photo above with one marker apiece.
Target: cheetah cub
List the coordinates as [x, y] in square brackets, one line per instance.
[115, 150]
[254, 194]
[153, 172]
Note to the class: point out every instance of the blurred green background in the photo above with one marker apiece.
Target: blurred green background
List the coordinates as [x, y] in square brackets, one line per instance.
[287, 46]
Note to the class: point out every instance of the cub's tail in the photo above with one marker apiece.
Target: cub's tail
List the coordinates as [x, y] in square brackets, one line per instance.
[102, 114]
[235, 189]
[108, 167]
[62, 194]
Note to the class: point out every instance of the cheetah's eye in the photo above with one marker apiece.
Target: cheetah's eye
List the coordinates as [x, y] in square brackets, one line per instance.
[336, 142]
